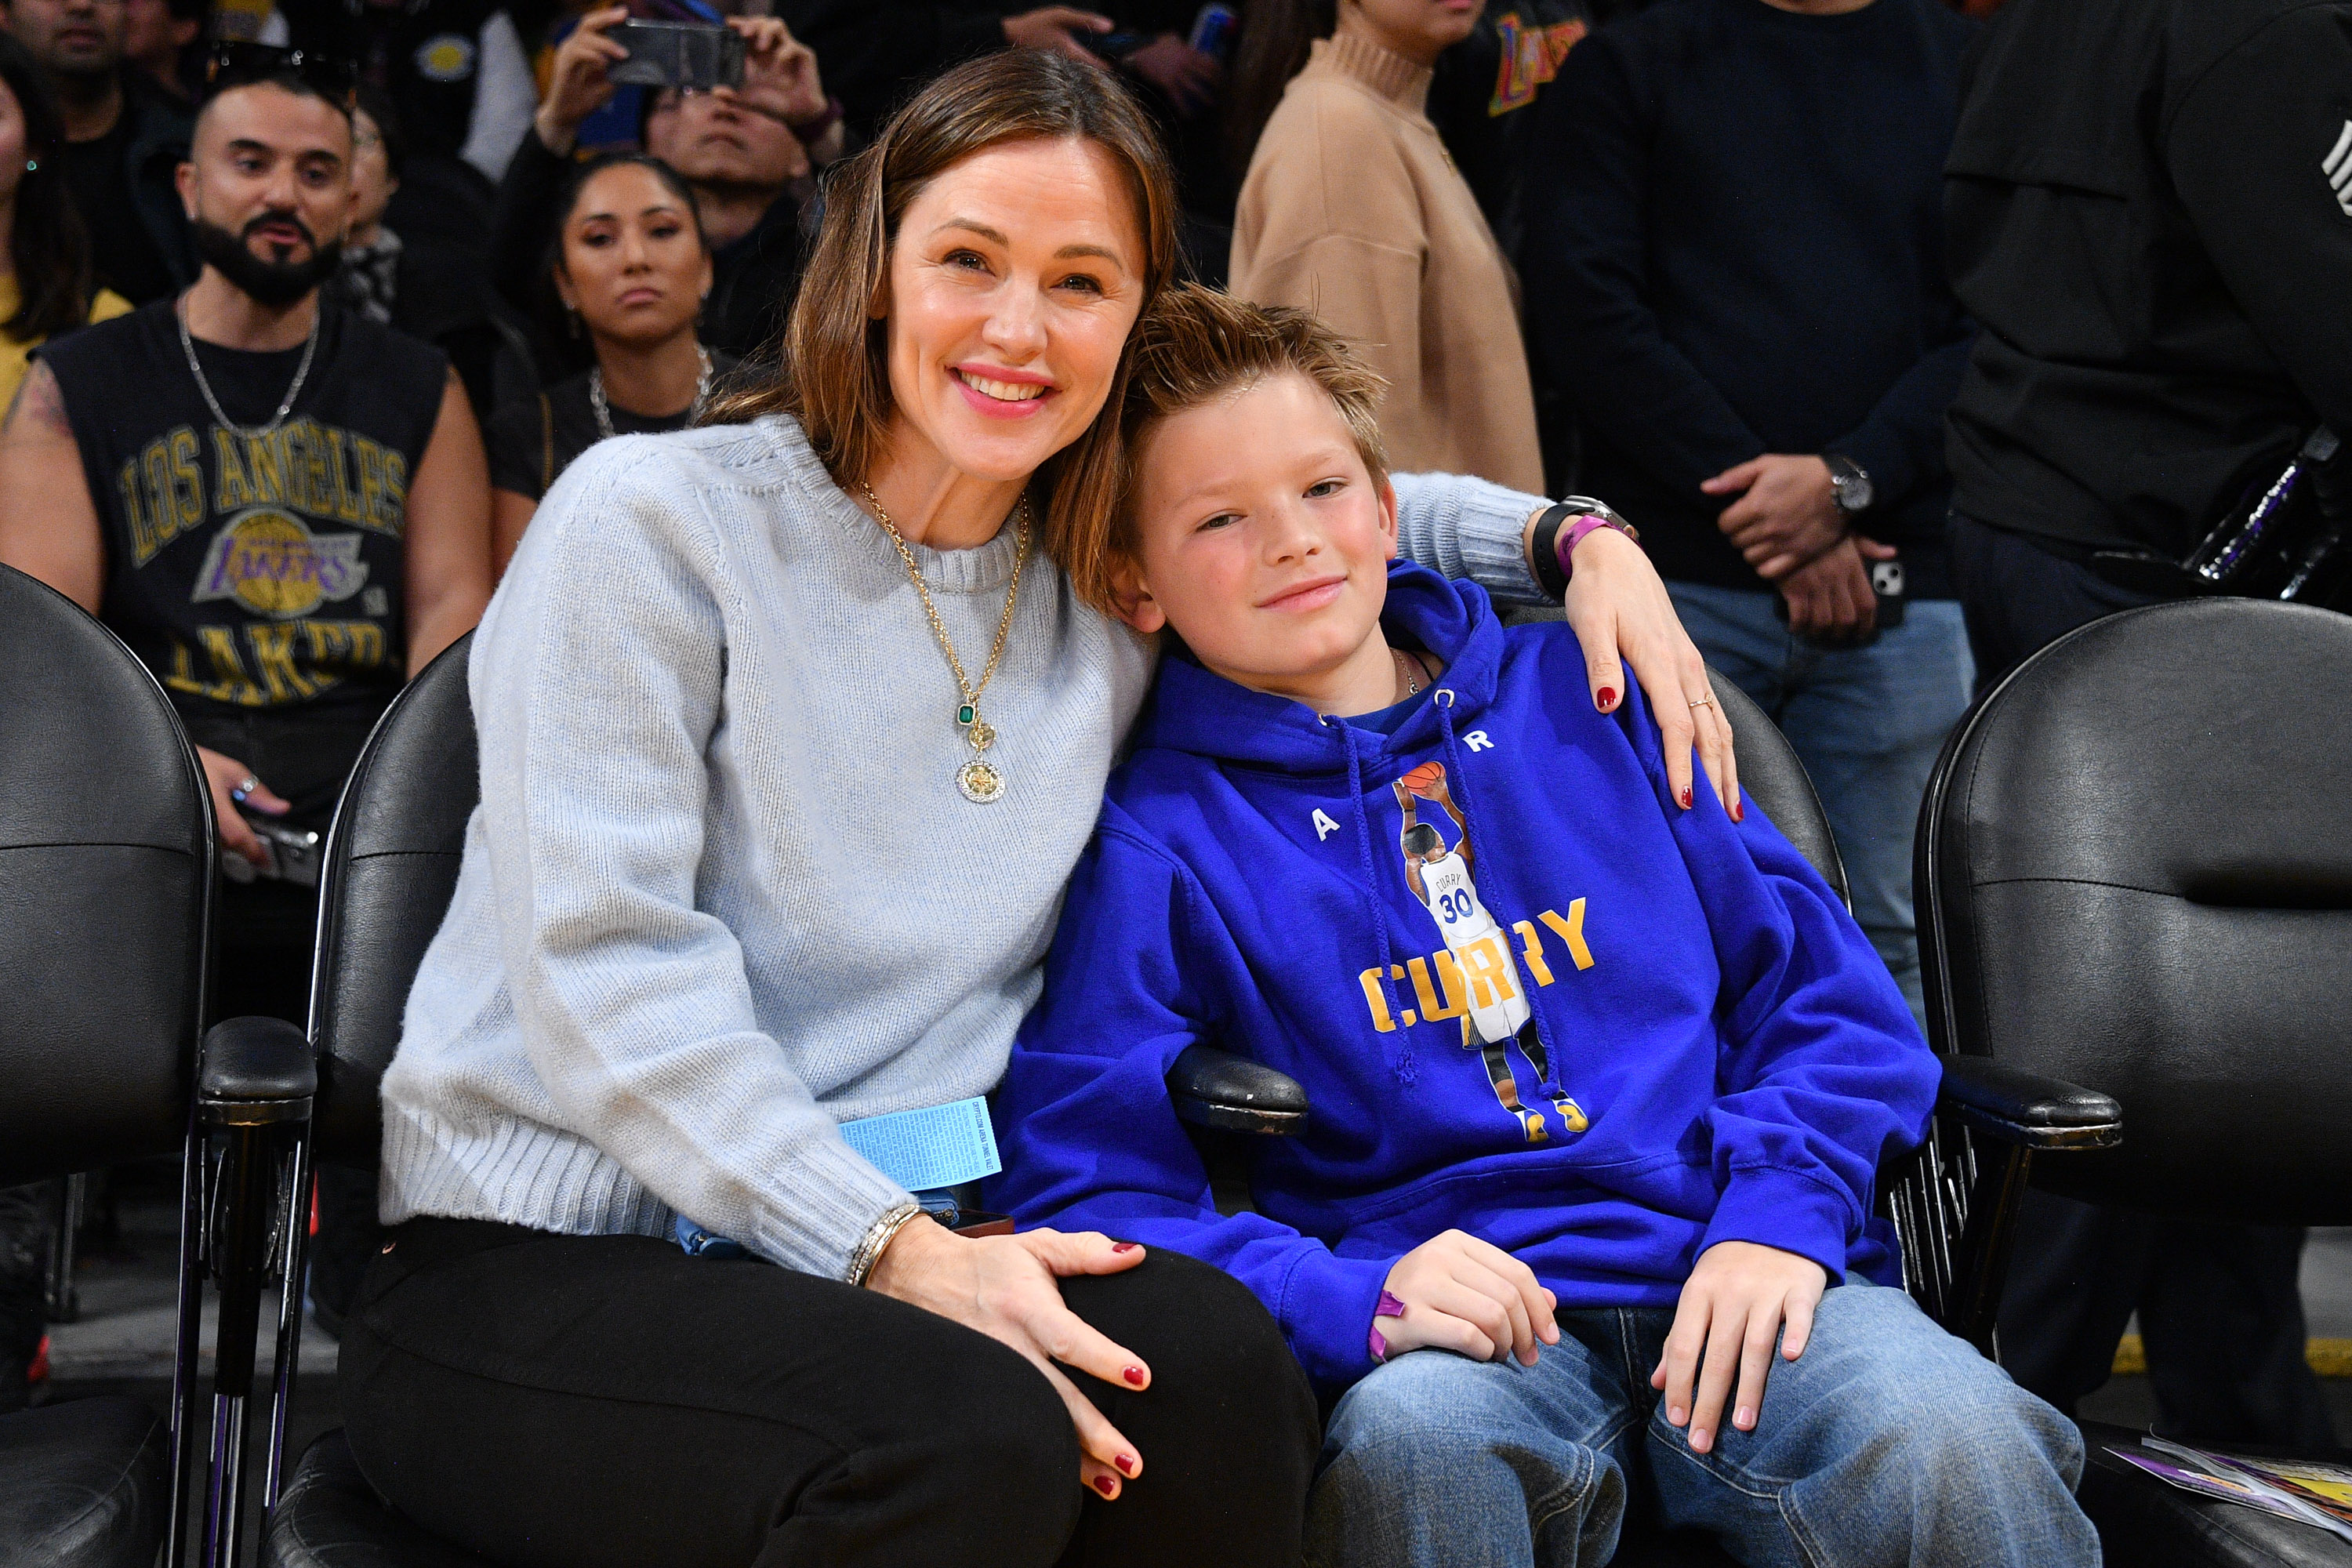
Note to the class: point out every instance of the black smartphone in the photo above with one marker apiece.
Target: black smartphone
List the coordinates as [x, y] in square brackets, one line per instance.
[694, 56]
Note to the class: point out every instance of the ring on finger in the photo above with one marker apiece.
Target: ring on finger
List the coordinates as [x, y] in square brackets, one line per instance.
[1706, 701]
[243, 787]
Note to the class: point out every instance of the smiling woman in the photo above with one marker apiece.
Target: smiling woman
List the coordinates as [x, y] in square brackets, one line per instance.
[793, 728]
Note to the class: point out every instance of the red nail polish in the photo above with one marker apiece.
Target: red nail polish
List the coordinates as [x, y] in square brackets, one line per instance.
[1125, 1246]
[1134, 1375]
[1105, 1485]
[1128, 1463]
[1687, 798]
[1607, 698]
[1738, 811]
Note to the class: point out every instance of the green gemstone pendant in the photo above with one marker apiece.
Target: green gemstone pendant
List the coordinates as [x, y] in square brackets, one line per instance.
[966, 714]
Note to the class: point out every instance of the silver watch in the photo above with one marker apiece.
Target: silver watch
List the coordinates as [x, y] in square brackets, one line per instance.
[1849, 484]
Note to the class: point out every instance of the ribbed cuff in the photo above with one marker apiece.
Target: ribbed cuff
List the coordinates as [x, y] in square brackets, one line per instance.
[1328, 1304]
[1464, 527]
[833, 1197]
[1780, 1208]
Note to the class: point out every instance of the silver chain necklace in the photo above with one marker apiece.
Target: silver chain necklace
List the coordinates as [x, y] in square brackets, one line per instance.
[301, 373]
[604, 410]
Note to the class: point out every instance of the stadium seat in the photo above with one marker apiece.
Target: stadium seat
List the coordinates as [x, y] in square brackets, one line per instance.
[106, 868]
[2133, 874]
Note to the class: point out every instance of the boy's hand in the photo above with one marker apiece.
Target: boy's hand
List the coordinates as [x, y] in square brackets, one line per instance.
[1732, 1309]
[1471, 1297]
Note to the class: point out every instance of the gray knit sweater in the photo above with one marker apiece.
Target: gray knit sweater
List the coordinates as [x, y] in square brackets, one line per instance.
[721, 893]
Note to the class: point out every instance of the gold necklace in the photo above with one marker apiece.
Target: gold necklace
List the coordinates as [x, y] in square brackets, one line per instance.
[1406, 663]
[981, 780]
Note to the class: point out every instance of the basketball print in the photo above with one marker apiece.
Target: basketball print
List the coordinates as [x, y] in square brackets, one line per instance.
[1423, 780]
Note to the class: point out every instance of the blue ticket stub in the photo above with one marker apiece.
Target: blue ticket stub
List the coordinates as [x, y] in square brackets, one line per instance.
[942, 1146]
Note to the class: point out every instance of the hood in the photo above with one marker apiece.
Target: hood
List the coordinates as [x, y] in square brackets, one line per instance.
[1196, 711]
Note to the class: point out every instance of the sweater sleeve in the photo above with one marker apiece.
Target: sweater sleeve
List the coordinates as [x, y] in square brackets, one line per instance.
[1466, 527]
[1584, 261]
[598, 679]
[1823, 1070]
[1901, 443]
[1089, 1137]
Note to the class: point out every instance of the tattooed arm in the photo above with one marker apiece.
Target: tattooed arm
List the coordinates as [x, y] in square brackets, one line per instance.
[49, 525]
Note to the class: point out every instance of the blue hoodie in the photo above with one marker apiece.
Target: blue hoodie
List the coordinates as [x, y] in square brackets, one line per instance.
[1727, 1057]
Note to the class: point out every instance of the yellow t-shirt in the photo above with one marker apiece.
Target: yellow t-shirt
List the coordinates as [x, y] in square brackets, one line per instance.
[15, 352]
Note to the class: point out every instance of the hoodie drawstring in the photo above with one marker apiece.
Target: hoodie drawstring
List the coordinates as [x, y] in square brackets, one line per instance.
[1401, 1062]
[1442, 700]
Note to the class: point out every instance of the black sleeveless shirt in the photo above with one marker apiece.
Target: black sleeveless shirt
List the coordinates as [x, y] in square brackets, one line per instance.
[254, 575]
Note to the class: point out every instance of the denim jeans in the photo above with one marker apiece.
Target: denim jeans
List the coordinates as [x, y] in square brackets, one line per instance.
[1887, 1442]
[1868, 723]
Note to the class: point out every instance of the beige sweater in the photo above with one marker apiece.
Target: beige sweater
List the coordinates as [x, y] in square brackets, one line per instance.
[1353, 209]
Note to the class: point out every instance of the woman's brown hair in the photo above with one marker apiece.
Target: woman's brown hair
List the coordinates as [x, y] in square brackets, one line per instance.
[834, 377]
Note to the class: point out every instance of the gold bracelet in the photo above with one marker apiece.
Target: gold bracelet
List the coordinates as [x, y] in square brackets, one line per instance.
[878, 1236]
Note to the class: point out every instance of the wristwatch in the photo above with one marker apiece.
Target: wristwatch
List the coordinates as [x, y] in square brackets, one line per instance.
[1560, 529]
[1849, 484]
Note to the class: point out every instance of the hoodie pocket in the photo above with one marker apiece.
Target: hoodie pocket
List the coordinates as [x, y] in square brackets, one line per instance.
[1515, 1201]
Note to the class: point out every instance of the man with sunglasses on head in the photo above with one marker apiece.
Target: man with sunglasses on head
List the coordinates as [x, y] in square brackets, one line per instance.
[283, 507]
[123, 140]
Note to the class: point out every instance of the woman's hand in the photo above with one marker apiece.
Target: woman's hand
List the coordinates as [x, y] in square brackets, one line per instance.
[1468, 1296]
[1617, 604]
[230, 779]
[1732, 1308]
[1004, 1287]
[577, 82]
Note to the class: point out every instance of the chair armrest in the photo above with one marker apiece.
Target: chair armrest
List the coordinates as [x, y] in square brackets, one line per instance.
[256, 1070]
[1217, 1089]
[2013, 1106]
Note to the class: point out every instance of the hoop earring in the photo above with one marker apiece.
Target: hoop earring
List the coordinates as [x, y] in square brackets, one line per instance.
[32, 166]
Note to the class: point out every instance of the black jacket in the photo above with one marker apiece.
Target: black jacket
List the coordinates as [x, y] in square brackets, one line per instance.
[159, 143]
[2144, 226]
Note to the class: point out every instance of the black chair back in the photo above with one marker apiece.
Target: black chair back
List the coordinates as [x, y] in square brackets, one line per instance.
[106, 860]
[2133, 874]
[391, 867]
[1777, 782]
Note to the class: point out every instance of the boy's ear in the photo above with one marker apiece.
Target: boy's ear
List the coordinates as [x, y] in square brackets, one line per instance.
[1389, 515]
[1131, 597]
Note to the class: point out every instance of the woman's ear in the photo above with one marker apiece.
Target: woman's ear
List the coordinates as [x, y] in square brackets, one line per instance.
[1131, 597]
[563, 290]
[1389, 515]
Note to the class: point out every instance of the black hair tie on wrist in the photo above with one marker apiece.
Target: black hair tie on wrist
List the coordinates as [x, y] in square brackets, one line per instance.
[1550, 575]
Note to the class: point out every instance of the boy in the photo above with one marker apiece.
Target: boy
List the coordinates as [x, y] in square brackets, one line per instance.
[1728, 1058]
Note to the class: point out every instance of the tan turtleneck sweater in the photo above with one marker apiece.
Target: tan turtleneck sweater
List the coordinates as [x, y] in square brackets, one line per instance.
[1353, 209]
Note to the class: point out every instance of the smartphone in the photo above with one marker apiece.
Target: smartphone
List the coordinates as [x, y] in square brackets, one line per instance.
[1888, 588]
[694, 56]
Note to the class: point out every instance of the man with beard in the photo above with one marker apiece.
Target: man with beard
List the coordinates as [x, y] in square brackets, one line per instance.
[123, 140]
[746, 153]
[282, 506]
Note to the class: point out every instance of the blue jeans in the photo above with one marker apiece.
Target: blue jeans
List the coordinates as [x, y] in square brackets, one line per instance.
[1867, 722]
[1887, 1442]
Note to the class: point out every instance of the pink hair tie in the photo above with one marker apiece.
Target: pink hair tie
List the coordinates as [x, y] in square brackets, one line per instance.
[1387, 1307]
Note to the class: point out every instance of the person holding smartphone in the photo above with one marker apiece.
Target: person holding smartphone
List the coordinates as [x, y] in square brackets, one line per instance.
[747, 153]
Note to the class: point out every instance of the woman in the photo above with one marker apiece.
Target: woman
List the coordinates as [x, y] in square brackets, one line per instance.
[44, 275]
[629, 264]
[1353, 209]
[791, 732]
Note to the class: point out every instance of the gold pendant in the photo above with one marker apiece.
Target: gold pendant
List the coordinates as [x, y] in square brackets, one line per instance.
[980, 781]
[983, 735]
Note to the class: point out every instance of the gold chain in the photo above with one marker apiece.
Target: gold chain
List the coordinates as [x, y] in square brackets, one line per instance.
[938, 629]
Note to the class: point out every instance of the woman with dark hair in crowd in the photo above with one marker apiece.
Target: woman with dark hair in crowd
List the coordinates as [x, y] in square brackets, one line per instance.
[1353, 209]
[791, 732]
[44, 273]
[629, 269]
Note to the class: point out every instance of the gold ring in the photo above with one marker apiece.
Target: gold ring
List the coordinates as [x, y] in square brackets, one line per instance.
[1707, 701]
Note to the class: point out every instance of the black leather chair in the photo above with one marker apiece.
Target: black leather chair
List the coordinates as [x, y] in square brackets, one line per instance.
[106, 873]
[2133, 874]
[1949, 1208]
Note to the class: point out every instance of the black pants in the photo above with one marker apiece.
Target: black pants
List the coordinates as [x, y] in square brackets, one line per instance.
[2220, 1312]
[578, 1401]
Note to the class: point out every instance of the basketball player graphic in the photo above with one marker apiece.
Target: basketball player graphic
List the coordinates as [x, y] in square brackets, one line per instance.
[1495, 1008]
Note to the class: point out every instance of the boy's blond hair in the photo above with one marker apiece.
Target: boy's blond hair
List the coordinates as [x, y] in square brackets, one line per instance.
[1196, 344]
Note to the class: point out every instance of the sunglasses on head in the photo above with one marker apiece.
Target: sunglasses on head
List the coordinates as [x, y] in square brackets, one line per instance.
[234, 63]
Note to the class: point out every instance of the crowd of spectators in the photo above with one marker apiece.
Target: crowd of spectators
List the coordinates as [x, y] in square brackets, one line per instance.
[1744, 268]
